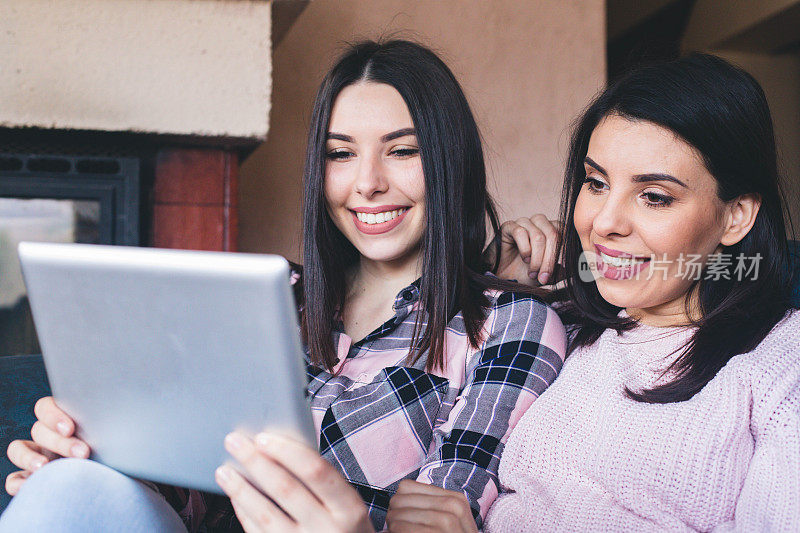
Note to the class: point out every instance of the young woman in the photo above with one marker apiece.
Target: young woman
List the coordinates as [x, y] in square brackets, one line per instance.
[420, 364]
[678, 407]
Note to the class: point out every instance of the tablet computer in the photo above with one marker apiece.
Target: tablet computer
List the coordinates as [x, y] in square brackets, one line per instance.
[158, 354]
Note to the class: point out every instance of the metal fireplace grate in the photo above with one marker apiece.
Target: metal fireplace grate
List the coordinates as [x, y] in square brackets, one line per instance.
[60, 198]
[111, 181]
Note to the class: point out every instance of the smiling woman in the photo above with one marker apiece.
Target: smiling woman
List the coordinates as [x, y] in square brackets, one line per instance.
[392, 130]
[656, 204]
[677, 408]
[418, 373]
[374, 181]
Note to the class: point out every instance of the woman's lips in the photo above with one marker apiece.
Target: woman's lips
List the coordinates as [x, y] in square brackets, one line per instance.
[381, 227]
[619, 273]
[630, 267]
[616, 253]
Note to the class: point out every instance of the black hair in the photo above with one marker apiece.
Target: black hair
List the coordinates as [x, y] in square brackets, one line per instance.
[721, 111]
[456, 201]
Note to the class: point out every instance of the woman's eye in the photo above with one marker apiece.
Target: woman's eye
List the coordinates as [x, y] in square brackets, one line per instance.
[593, 184]
[337, 155]
[405, 152]
[657, 200]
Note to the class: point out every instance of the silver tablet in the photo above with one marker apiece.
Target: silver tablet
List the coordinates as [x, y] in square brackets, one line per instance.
[158, 354]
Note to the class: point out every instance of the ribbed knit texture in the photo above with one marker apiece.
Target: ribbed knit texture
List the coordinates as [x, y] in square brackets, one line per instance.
[585, 457]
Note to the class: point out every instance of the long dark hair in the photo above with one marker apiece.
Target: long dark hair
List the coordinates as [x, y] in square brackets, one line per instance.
[457, 203]
[722, 112]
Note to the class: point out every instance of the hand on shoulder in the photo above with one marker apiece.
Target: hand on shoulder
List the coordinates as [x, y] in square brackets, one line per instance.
[528, 248]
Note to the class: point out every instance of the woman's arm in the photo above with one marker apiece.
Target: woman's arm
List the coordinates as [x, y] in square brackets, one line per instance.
[770, 496]
[522, 354]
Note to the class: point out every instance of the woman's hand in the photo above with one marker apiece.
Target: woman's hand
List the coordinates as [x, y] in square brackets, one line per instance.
[528, 250]
[52, 438]
[303, 491]
[417, 507]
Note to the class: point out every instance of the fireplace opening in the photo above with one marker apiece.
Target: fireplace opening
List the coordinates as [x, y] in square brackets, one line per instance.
[58, 198]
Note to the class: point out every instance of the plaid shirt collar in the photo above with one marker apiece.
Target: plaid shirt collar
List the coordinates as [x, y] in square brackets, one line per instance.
[404, 303]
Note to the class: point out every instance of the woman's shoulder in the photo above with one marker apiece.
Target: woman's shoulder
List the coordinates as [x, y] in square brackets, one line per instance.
[780, 346]
[772, 369]
[517, 303]
[504, 297]
[787, 330]
[522, 314]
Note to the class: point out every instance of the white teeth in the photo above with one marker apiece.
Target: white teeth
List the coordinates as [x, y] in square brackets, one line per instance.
[377, 218]
[620, 261]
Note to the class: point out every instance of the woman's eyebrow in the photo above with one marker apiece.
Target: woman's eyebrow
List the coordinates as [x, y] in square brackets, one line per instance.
[589, 161]
[399, 133]
[340, 137]
[639, 178]
[385, 139]
[644, 178]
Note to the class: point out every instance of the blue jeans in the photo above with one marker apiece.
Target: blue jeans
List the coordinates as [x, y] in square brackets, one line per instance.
[77, 495]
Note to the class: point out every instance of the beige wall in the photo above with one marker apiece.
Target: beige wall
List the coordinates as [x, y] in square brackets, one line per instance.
[181, 67]
[527, 68]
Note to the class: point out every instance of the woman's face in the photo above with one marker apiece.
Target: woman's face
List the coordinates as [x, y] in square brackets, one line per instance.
[647, 208]
[374, 185]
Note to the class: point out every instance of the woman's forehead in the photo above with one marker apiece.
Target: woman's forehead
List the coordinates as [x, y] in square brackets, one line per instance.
[369, 107]
[626, 147]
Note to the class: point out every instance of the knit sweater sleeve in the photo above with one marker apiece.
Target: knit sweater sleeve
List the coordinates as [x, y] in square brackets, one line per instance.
[770, 497]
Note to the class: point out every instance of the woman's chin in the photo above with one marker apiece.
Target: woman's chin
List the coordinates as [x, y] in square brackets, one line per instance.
[388, 255]
[624, 294]
[396, 249]
[636, 299]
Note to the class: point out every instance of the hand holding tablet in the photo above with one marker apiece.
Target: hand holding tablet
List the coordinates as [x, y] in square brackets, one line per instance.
[158, 354]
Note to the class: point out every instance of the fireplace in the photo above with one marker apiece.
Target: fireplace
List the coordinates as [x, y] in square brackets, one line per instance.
[107, 188]
[58, 198]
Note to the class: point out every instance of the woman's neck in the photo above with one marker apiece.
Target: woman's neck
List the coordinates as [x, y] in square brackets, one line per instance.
[371, 289]
[383, 279]
[668, 314]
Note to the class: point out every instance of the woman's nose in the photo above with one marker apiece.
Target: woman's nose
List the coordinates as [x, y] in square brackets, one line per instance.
[612, 218]
[371, 178]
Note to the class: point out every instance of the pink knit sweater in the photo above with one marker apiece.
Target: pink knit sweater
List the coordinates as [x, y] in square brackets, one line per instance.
[587, 458]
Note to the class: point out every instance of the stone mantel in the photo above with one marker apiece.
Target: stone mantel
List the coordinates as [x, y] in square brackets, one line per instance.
[198, 68]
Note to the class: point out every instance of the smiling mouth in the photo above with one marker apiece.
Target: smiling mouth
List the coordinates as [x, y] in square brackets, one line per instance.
[380, 217]
[622, 262]
[617, 265]
[378, 220]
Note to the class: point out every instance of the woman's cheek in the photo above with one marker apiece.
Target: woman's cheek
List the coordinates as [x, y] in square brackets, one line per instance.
[681, 232]
[413, 181]
[335, 191]
[583, 216]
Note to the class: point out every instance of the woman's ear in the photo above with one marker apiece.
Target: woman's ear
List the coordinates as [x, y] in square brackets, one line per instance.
[740, 217]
